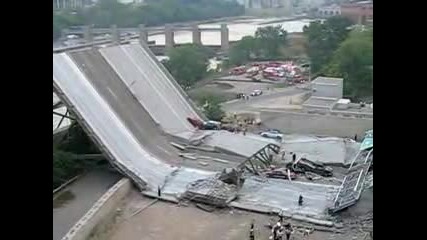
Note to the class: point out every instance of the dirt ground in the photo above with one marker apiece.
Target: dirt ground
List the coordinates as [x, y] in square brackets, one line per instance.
[168, 221]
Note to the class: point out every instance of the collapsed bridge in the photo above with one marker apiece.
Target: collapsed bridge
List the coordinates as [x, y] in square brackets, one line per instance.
[132, 108]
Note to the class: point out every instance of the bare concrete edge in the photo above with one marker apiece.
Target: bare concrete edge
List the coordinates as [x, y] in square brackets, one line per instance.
[270, 211]
[103, 207]
[64, 185]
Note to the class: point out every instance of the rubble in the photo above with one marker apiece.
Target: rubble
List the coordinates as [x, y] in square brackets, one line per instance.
[211, 191]
[303, 165]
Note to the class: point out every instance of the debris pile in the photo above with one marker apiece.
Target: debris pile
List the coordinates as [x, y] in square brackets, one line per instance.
[211, 191]
[281, 173]
[303, 165]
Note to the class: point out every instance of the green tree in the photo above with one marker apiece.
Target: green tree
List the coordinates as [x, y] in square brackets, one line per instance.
[153, 12]
[353, 61]
[241, 52]
[269, 41]
[324, 39]
[267, 44]
[212, 107]
[188, 64]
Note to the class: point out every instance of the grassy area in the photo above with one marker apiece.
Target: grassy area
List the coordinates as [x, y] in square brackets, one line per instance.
[198, 94]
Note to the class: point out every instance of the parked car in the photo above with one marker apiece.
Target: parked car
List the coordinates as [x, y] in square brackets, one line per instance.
[256, 93]
[211, 125]
[273, 135]
[272, 130]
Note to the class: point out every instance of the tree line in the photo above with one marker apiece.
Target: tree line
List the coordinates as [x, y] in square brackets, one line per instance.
[338, 49]
[334, 47]
[154, 12]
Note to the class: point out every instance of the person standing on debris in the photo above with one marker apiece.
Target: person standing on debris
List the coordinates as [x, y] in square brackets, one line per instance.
[300, 200]
[252, 232]
[294, 157]
[355, 137]
[288, 231]
[159, 191]
[275, 230]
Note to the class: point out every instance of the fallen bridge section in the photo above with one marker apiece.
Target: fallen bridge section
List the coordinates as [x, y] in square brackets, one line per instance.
[154, 90]
[104, 126]
[124, 104]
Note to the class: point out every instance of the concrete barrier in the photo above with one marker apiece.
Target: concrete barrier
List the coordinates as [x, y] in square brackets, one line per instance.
[103, 208]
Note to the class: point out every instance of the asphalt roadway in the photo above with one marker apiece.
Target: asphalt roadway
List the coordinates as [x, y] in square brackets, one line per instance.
[121, 100]
[83, 193]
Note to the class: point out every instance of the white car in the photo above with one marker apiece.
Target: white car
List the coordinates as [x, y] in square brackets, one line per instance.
[273, 135]
[256, 93]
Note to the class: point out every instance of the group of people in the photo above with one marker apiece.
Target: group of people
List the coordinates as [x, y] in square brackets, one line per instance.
[281, 229]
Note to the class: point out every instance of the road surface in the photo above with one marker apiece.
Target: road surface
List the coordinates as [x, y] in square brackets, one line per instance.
[118, 96]
[78, 198]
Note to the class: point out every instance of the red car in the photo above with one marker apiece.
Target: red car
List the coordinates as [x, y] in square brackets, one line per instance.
[238, 70]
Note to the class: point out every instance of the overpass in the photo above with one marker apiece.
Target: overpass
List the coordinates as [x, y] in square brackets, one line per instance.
[88, 34]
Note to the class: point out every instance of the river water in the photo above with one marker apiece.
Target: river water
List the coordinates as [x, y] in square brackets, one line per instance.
[237, 29]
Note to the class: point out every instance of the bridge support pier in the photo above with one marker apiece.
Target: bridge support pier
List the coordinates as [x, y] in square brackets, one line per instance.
[197, 37]
[115, 35]
[88, 34]
[143, 35]
[225, 44]
[169, 37]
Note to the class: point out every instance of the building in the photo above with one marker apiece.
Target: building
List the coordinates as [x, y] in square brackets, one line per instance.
[268, 7]
[71, 4]
[358, 12]
[76, 4]
[329, 11]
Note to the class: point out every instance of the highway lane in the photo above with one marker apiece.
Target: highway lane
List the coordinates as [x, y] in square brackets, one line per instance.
[102, 121]
[118, 96]
[152, 88]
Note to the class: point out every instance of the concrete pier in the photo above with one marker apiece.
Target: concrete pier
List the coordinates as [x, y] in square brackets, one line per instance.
[169, 37]
[115, 35]
[225, 44]
[87, 34]
[143, 34]
[197, 37]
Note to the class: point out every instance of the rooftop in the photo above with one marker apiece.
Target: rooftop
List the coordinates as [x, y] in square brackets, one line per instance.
[320, 102]
[327, 80]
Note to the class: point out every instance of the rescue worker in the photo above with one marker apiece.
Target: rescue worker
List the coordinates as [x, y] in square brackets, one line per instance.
[294, 157]
[288, 231]
[252, 232]
[300, 200]
[275, 230]
[159, 191]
